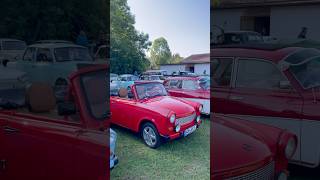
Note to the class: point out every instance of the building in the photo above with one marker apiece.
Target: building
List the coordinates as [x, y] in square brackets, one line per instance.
[197, 63]
[275, 18]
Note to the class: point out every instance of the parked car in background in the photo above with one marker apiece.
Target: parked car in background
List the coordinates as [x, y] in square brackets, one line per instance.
[11, 50]
[52, 62]
[158, 78]
[155, 72]
[155, 115]
[68, 140]
[13, 84]
[50, 41]
[183, 73]
[195, 89]
[239, 37]
[114, 84]
[126, 80]
[242, 149]
[113, 158]
[271, 85]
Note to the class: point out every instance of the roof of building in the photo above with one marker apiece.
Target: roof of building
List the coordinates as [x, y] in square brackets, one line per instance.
[197, 59]
[254, 3]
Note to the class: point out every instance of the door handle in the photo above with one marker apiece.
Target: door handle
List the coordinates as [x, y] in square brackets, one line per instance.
[10, 130]
[236, 98]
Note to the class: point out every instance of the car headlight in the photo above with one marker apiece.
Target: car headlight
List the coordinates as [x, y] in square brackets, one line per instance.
[178, 128]
[172, 118]
[200, 108]
[198, 119]
[290, 148]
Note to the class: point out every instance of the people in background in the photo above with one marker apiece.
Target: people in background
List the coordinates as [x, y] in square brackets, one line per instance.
[303, 33]
[82, 39]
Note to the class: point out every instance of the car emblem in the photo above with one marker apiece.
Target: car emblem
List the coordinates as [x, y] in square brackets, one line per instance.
[247, 147]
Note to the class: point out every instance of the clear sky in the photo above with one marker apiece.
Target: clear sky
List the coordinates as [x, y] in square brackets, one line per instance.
[185, 24]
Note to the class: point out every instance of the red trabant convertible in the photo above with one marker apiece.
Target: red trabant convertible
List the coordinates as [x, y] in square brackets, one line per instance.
[68, 140]
[147, 109]
[191, 88]
[245, 150]
[279, 86]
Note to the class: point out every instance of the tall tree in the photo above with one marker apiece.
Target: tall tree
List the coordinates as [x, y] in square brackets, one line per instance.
[176, 58]
[128, 46]
[160, 52]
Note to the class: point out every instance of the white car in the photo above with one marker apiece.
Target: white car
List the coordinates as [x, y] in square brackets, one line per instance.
[11, 49]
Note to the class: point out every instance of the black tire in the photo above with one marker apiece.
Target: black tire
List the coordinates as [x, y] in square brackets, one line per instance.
[154, 139]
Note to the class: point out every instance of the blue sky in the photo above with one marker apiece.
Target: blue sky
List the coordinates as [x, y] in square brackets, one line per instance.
[184, 23]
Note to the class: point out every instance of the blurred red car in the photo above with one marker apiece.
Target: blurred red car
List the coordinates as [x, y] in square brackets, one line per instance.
[146, 108]
[274, 85]
[245, 150]
[192, 88]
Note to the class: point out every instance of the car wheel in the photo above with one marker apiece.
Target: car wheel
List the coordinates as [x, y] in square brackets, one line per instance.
[150, 135]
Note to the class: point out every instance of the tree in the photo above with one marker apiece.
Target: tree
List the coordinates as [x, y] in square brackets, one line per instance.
[128, 46]
[176, 58]
[160, 52]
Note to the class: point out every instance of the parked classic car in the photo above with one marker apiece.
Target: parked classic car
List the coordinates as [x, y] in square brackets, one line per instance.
[242, 149]
[11, 49]
[273, 85]
[145, 108]
[191, 88]
[68, 140]
[126, 80]
[237, 37]
[113, 158]
[13, 84]
[52, 62]
[158, 78]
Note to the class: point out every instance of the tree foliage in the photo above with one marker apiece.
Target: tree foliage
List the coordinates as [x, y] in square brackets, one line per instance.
[160, 53]
[176, 58]
[128, 46]
[53, 19]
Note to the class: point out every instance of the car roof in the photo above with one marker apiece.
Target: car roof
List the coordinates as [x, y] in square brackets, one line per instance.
[184, 78]
[55, 45]
[272, 52]
[146, 82]
[126, 75]
[9, 39]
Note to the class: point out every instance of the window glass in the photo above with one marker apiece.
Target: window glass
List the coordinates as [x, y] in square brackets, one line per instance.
[221, 69]
[44, 55]
[258, 74]
[190, 85]
[29, 54]
[175, 84]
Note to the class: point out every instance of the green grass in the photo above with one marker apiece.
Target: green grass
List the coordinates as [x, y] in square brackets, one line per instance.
[185, 158]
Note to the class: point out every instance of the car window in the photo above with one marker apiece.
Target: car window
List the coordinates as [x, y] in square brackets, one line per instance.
[175, 83]
[29, 54]
[221, 69]
[13, 45]
[190, 85]
[44, 55]
[258, 74]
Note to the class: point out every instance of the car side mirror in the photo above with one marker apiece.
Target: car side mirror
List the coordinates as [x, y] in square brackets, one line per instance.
[66, 108]
[284, 85]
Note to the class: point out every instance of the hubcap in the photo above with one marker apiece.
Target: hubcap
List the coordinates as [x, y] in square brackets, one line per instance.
[149, 136]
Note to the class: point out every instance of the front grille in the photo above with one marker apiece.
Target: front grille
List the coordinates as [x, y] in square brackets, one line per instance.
[264, 173]
[185, 120]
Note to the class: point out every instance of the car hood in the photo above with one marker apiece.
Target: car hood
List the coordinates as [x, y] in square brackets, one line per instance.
[165, 104]
[10, 74]
[236, 146]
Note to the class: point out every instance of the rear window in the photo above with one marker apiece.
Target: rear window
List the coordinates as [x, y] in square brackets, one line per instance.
[13, 45]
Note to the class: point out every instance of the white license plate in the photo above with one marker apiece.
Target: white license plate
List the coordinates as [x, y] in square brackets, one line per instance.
[190, 130]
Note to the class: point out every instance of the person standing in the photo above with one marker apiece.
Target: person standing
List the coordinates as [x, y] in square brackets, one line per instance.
[303, 33]
[82, 39]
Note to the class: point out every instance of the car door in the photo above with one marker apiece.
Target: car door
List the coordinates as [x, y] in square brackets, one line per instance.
[262, 93]
[40, 149]
[221, 71]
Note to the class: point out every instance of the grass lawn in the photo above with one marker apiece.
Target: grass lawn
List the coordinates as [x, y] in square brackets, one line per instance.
[185, 158]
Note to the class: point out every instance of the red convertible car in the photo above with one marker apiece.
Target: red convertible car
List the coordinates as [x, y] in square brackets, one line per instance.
[245, 150]
[274, 85]
[195, 89]
[69, 140]
[146, 108]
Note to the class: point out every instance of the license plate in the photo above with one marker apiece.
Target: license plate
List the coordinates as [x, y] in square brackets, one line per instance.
[190, 130]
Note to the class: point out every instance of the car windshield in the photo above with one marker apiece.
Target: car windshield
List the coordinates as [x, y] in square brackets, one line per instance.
[14, 45]
[129, 78]
[96, 92]
[307, 73]
[155, 78]
[150, 90]
[72, 54]
[204, 83]
[113, 77]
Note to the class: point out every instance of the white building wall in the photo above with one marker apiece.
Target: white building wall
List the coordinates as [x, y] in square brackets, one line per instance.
[173, 68]
[286, 22]
[229, 19]
[199, 68]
